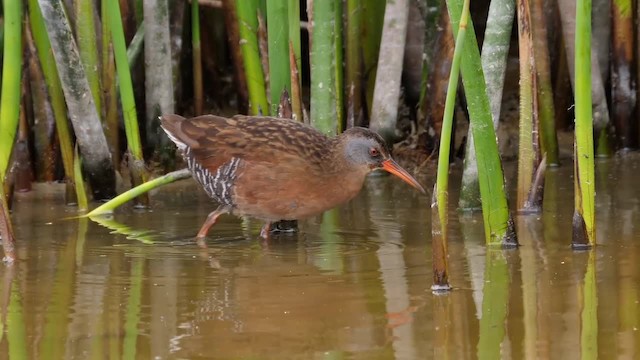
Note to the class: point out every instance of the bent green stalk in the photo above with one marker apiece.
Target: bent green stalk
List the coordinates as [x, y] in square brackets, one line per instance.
[131, 194]
[11, 77]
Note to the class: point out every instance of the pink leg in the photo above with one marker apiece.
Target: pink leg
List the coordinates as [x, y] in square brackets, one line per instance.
[211, 220]
[266, 229]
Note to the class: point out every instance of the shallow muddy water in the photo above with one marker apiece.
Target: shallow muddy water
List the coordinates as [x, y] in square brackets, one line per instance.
[352, 284]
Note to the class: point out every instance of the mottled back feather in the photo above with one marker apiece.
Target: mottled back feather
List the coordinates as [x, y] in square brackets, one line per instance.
[214, 140]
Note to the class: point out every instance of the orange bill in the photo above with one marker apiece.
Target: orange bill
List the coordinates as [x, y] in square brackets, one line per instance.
[393, 167]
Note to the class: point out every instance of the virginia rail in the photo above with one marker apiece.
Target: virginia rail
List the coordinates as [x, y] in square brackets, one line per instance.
[276, 169]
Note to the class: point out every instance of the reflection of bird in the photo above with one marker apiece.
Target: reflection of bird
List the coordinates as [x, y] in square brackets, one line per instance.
[274, 169]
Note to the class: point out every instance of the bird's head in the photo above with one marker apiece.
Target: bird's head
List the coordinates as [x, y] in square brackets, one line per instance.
[366, 150]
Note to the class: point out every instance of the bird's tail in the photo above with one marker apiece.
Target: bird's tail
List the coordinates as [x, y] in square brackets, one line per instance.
[172, 125]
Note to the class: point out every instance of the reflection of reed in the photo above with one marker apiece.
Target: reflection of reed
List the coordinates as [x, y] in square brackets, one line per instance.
[528, 272]
[143, 235]
[329, 258]
[7, 279]
[495, 304]
[589, 304]
[442, 326]
[57, 319]
[132, 315]
[393, 270]
[16, 331]
[472, 233]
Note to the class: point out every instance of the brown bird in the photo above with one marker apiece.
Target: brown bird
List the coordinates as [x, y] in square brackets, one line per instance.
[276, 169]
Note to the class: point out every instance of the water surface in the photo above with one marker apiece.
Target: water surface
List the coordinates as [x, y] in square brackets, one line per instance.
[354, 283]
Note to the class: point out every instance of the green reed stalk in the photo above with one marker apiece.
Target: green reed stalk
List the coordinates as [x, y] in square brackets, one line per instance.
[353, 49]
[136, 163]
[441, 190]
[278, 37]
[11, 78]
[1, 39]
[56, 95]
[498, 224]
[197, 58]
[323, 63]
[526, 152]
[495, 48]
[83, 203]
[110, 109]
[584, 234]
[248, 27]
[88, 46]
[131, 194]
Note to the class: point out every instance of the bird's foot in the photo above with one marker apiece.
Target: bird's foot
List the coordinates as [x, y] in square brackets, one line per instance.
[286, 226]
[211, 220]
[265, 231]
[201, 243]
[282, 226]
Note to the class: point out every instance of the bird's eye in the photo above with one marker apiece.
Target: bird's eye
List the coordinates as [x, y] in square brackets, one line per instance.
[374, 152]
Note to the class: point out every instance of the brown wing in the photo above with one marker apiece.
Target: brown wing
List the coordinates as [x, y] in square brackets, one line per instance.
[214, 140]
